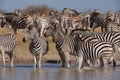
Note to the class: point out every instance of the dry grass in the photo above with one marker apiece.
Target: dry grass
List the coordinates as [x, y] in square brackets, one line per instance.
[22, 54]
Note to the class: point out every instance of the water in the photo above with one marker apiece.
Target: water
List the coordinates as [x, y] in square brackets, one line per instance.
[55, 72]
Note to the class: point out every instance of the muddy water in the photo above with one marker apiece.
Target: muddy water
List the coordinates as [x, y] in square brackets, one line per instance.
[55, 72]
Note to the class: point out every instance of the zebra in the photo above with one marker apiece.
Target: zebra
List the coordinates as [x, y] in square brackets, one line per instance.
[99, 20]
[17, 21]
[112, 26]
[2, 20]
[93, 51]
[117, 18]
[92, 39]
[64, 43]
[8, 44]
[38, 45]
[69, 12]
[112, 37]
[41, 22]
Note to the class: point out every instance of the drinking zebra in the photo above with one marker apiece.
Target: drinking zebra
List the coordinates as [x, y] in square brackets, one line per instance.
[38, 45]
[7, 45]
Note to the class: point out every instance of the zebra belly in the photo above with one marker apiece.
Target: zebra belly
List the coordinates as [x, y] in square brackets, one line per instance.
[36, 50]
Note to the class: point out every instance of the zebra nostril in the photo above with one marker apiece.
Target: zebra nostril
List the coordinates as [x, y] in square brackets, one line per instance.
[24, 40]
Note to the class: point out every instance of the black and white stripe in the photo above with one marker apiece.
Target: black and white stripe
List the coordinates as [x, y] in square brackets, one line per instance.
[7, 45]
[112, 37]
[93, 51]
[38, 45]
[17, 21]
[64, 43]
[112, 26]
[98, 19]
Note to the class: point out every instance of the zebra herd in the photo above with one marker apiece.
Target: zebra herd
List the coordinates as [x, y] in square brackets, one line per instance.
[70, 31]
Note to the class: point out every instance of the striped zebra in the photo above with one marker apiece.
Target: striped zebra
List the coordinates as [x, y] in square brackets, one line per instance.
[117, 18]
[7, 45]
[17, 21]
[93, 51]
[112, 26]
[64, 43]
[41, 22]
[112, 37]
[89, 39]
[69, 12]
[2, 20]
[38, 45]
[99, 20]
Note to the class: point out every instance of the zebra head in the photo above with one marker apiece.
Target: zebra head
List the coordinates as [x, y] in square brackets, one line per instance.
[17, 12]
[2, 20]
[55, 31]
[93, 16]
[30, 33]
[48, 31]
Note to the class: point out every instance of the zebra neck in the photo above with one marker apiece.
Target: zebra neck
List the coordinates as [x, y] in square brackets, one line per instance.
[58, 36]
[59, 43]
[35, 39]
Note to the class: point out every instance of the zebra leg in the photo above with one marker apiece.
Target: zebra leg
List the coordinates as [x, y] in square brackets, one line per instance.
[101, 62]
[34, 61]
[80, 61]
[62, 57]
[102, 29]
[67, 58]
[97, 63]
[114, 63]
[39, 62]
[11, 56]
[3, 56]
[105, 61]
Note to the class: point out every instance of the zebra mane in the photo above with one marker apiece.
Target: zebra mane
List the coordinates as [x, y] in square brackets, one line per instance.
[8, 13]
[64, 10]
[79, 30]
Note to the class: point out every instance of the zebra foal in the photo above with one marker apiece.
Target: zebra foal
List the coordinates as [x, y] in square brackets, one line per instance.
[7, 45]
[38, 45]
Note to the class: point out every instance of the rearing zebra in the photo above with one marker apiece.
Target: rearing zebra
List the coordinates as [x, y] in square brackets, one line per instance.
[38, 45]
[7, 45]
